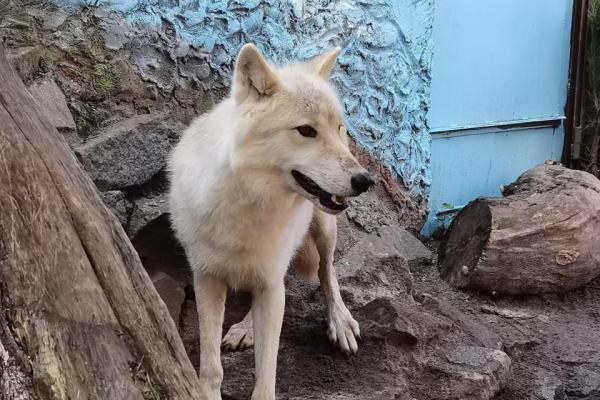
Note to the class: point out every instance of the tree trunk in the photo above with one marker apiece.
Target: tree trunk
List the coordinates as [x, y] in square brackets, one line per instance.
[79, 317]
[543, 236]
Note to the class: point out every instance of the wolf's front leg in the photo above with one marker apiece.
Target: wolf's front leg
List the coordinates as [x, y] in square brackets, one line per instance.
[342, 327]
[267, 314]
[210, 300]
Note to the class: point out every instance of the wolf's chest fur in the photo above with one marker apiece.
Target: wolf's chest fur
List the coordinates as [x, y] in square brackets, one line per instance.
[251, 243]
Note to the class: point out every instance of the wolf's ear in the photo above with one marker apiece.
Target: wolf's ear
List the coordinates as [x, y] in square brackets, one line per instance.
[324, 63]
[252, 75]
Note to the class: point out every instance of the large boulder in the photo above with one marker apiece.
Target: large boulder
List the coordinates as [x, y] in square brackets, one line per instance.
[129, 152]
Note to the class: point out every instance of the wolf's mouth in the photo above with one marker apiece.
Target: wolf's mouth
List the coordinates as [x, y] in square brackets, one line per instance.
[331, 201]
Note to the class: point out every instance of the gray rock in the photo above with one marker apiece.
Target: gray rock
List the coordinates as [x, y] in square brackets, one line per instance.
[370, 212]
[411, 248]
[155, 65]
[389, 319]
[114, 38]
[506, 313]
[52, 19]
[146, 210]
[548, 386]
[119, 205]
[583, 383]
[478, 333]
[182, 48]
[53, 105]
[391, 241]
[194, 69]
[114, 30]
[366, 275]
[128, 153]
[469, 373]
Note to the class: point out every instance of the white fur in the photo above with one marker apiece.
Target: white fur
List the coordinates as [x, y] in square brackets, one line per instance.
[241, 216]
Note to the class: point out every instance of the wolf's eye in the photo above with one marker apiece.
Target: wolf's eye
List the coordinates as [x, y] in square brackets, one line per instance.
[307, 131]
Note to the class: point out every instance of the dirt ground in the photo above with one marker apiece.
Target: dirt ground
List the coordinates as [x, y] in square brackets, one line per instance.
[553, 341]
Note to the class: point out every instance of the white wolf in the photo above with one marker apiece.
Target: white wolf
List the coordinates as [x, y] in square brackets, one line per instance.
[254, 182]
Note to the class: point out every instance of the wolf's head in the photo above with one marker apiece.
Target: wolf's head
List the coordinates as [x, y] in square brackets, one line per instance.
[295, 128]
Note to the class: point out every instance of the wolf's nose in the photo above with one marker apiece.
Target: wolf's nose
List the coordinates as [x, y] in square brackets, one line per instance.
[361, 182]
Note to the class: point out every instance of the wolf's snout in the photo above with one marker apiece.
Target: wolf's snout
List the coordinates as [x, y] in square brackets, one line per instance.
[361, 182]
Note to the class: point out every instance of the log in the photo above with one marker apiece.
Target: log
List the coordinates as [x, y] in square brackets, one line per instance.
[542, 236]
[79, 317]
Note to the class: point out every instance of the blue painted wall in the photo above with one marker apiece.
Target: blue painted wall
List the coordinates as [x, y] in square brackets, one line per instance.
[383, 76]
[496, 62]
[468, 166]
[499, 60]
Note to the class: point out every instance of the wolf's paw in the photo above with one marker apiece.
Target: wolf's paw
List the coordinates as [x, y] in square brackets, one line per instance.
[240, 336]
[343, 330]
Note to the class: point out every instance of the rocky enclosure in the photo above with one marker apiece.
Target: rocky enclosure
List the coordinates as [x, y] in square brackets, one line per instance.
[122, 96]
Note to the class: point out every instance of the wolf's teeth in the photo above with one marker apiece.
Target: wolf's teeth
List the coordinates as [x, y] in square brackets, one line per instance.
[337, 200]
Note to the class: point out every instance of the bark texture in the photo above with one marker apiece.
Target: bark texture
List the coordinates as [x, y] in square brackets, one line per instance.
[542, 236]
[79, 317]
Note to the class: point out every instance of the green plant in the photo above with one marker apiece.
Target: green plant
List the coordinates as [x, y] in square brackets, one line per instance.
[105, 78]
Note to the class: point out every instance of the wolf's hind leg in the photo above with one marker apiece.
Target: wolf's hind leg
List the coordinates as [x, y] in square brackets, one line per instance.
[343, 329]
[240, 336]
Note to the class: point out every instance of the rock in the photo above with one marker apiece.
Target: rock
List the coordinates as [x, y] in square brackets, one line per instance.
[171, 293]
[468, 373]
[397, 323]
[548, 386]
[583, 383]
[366, 276]
[53, 105]
[116, 202]
[194, 69]
[145, 210]
[388, 202]
[52, 19]
[411, 248]
[155, 65]
[128, 153]
[506, 313]
[114, 31]
[477, 332]
[522, 343]
[369, 212]
[384, 258]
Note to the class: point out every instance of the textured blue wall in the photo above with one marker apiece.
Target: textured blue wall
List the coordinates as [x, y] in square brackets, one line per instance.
[384, 73]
